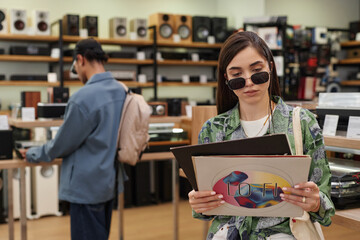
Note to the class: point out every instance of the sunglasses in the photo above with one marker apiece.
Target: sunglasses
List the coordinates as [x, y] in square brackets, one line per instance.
[72, 68]
[256, 78]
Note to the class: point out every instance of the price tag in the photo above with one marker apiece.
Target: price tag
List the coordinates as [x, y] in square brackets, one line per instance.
[185, 78]
[330, 125]
[4, 124]
[353, 130]
[176, 38]
[28, 114]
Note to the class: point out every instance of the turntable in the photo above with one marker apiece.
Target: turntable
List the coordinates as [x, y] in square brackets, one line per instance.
[345, 181]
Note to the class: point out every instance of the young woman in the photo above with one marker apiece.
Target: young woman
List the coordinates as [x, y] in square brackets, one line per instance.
[249, 105]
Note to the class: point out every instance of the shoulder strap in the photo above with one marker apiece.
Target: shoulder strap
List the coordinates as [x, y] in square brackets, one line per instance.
[124, 86]
[297, 131]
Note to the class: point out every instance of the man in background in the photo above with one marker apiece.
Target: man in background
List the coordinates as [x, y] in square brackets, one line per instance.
[87, 143]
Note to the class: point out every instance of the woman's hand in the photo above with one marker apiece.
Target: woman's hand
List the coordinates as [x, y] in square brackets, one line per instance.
[202, 201]
[305, 195]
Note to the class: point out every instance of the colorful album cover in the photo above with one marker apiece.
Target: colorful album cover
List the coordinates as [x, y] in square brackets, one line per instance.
[251, 185]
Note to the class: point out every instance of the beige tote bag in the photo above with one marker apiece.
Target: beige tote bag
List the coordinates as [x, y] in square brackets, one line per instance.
[302, 227]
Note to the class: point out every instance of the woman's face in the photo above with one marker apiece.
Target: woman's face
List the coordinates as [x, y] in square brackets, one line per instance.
[246, 63]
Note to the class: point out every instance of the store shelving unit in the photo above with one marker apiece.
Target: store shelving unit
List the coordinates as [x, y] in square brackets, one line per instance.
[350, 62]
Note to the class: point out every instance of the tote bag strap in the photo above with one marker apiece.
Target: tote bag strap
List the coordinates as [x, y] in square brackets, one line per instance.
[304, 227]
[297, 131]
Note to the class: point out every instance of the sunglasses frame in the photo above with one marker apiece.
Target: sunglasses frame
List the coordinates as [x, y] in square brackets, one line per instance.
[72, 68]
[227, 81]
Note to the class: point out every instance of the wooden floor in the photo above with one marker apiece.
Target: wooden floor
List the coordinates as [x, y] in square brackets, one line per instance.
[145, 223]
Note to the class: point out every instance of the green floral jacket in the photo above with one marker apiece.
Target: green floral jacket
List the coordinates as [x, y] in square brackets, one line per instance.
[227, 126]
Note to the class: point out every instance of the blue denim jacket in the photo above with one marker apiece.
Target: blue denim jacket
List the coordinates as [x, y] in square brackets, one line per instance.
[87, 142]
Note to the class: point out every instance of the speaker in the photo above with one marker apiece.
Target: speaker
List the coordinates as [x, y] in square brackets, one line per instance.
[3, 21]
[139, 26]
[6, 144]
[354, 28]
[158, 108]
[118, 27]
[219, 29]
[201, 28]
[71, 25]
[30, 99]
[183, 27]
[58, 94]
[18, 21]
[41, 22]
[91, 24]
[164, 26]
[45, 190]
[2, 197]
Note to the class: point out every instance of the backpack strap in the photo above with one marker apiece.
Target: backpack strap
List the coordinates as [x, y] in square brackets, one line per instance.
[297, 131]
[124, 86]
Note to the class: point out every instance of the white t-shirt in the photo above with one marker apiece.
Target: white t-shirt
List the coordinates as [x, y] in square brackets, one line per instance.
[256, 128]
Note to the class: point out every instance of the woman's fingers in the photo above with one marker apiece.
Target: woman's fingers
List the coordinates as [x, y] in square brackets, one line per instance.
[202, 201]
[305, 195]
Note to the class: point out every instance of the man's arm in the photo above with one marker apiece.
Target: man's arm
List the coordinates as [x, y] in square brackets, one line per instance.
[72, 133]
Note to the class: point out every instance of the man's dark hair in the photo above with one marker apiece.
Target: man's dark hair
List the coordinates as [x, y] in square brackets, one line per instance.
[91, 50]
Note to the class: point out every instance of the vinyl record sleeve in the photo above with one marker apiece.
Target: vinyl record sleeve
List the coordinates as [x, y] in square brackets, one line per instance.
[272, 144]
[251, 185]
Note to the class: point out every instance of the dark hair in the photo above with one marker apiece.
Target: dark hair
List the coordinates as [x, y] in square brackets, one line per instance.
[91, 50]
[226, 98]
[95, 55]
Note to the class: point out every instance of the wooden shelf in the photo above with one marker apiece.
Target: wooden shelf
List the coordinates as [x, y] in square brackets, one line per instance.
[169, 119]
[111, 41]
[355, 83]
[29, 83]
[189, 45]
[17, 163]
[28, 38]
[180, 84]
[342, 142]
[26, 58]
[37, 123]
[120, 61]
[128, 42]
[350, 44]
[165, 143]
[127, 83]
[186, 63]
[350, 61]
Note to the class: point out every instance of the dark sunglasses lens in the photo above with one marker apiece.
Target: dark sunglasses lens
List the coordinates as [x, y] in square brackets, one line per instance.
[260, 78]
[236, 83]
